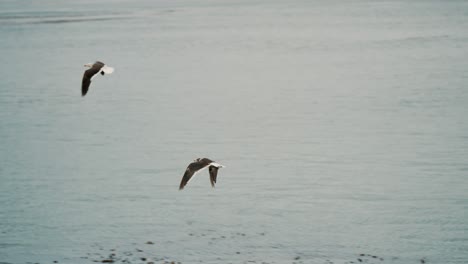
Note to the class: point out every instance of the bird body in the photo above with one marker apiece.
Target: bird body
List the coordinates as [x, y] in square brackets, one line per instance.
[94, 69]
[196, 166]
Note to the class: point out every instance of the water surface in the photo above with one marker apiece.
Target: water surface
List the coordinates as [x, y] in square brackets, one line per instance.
[342, 125]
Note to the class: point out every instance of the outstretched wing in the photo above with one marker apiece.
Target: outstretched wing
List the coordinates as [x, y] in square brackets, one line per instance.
[213, 174]
[85, 84]
[193, 168]
[88, 75]
[187, 176]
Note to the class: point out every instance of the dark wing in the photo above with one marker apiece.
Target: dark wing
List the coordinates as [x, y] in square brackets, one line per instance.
[213, 173]
[192, 169]
[88, 74]
[86, 82]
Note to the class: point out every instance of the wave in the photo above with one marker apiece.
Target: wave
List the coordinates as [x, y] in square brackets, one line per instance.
[75, 20]
[57, 17]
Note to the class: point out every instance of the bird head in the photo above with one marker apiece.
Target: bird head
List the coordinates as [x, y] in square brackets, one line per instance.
[88, 65]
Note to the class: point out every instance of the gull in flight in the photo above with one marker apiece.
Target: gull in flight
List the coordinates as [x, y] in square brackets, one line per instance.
[94, 69]
[198, 165]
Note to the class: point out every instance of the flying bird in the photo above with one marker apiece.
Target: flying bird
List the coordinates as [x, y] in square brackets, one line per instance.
[198, 165]
[95, 68]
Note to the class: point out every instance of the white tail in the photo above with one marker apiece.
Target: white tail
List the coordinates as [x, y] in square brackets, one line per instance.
[107, 69]
[217, 165]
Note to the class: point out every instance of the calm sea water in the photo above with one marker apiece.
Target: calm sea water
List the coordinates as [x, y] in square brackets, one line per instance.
[343, 126]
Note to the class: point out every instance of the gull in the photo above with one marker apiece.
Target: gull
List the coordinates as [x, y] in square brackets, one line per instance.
[95, 68]
[198, 165]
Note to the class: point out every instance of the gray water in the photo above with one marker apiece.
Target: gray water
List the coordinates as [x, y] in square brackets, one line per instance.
[342, 124]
